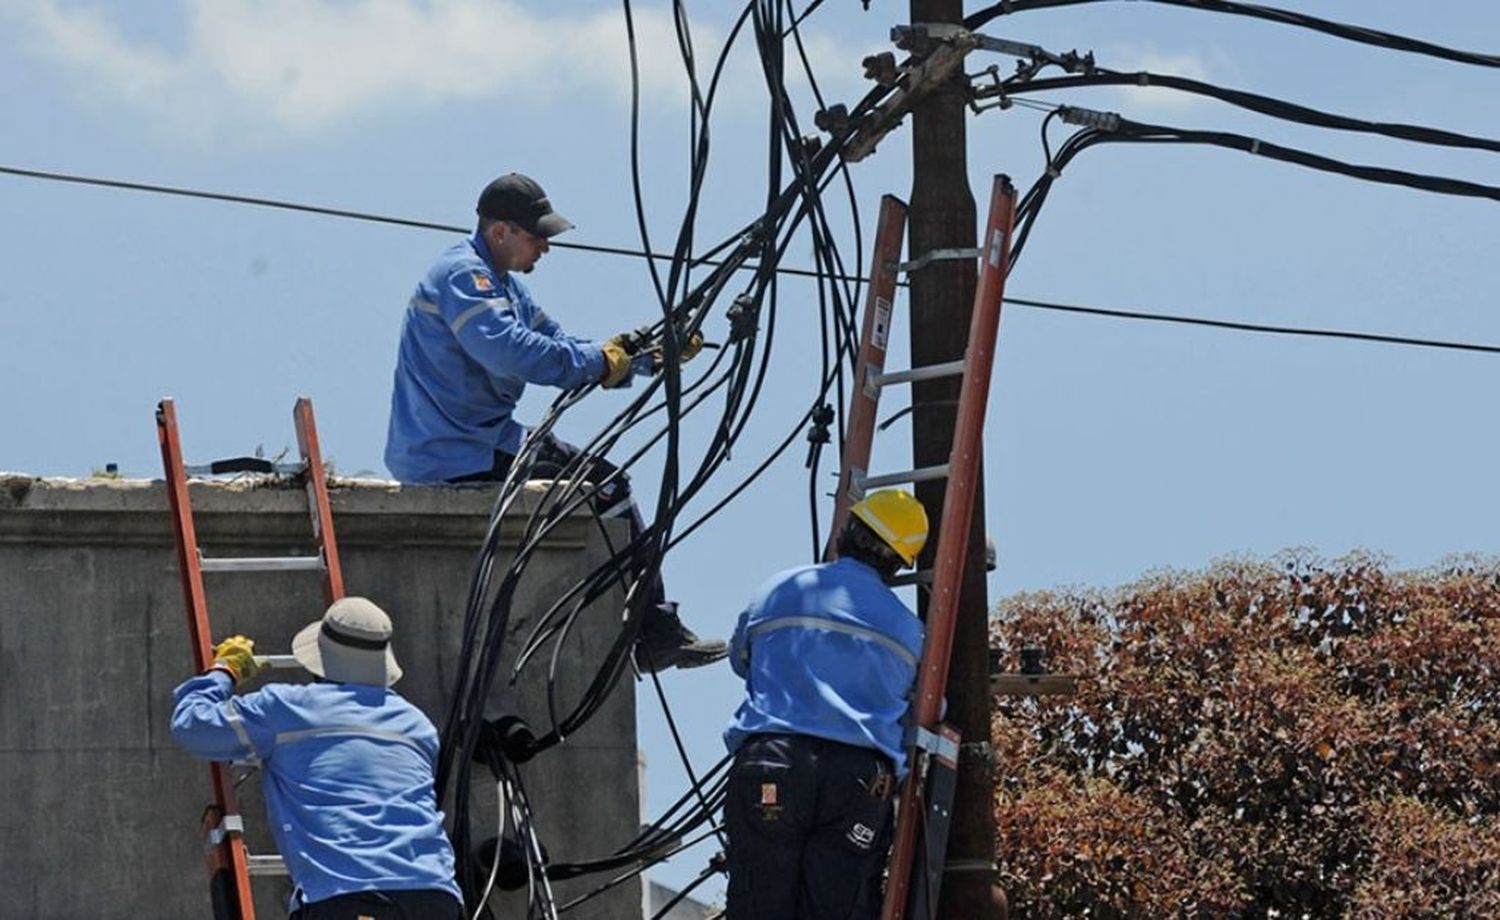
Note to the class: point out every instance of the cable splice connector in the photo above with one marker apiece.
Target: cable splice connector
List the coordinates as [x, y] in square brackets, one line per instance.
[818, 433]
[1090, 118]
[744, 318]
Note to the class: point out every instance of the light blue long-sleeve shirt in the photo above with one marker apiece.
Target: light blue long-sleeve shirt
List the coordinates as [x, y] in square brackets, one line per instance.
[347, 779]
[829, 651]
[471, 339]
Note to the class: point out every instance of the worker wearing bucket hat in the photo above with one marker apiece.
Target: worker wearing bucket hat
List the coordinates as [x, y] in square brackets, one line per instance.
[348, 768]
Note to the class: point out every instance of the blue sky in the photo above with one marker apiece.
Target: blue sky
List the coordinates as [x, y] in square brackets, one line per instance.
[1112, 448]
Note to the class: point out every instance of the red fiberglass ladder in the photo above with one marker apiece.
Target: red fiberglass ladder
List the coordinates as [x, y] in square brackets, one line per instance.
[230, 865]
[926, 802]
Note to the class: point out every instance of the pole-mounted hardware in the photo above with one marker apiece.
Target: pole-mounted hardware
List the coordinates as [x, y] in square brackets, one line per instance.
[943, 49]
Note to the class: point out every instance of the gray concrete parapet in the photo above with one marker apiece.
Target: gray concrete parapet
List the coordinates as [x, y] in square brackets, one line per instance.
[101, 809]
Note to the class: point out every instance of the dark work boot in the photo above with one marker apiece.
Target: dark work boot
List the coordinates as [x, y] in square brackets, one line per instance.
[665, 643]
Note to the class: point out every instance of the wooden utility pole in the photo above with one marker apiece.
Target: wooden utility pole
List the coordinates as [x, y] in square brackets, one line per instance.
[942, 217]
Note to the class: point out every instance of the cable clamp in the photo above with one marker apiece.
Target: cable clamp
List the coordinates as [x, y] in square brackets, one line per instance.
[1255, 146]
[977, 749]
[933, 743]
[229, 824]
[743, 315]
[937, 255]
[1090, 118]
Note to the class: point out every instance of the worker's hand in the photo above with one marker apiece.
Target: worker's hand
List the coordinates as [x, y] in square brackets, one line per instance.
[617, 355]
[691, 347]
[236, 656]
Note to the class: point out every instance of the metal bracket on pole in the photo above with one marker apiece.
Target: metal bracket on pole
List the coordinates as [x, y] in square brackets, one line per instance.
[228, 824]
[940, 750]
[921, 78]
[933, 743]
[937, 255]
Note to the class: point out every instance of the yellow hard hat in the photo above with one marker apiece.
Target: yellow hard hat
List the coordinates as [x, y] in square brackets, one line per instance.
[897, 518]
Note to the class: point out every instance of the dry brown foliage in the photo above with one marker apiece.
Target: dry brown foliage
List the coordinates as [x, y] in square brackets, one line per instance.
[1295, 738]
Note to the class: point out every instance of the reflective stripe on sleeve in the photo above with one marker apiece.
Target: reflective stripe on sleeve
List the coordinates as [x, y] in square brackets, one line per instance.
[232, 716]
[838, 626]
[422, 306]
[348, 731]
[499, 303]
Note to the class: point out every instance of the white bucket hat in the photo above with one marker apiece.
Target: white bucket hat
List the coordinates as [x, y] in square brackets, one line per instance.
[351, 644]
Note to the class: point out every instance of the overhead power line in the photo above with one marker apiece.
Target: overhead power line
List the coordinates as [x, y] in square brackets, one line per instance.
[368, 217]
[1254, 327]
[1366, 36]
[1127, 131]
[1265, 105]
[1110, 312]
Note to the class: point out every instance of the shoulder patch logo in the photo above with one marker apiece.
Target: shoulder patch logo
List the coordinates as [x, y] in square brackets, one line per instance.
[482, 281]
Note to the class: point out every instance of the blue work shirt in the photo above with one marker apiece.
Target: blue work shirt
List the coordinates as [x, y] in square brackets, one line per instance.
[829, 651]
[347, 779]
[471, 340]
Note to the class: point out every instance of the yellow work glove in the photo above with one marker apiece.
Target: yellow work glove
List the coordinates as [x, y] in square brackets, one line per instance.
[691, 347]
[236, 655]
[617, 357]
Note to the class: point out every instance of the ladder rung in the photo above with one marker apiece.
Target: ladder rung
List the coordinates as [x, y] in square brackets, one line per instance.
[923, 577]
[925, 474]
[263, 564]
[266, 865]
[930, 372]
[278, 662]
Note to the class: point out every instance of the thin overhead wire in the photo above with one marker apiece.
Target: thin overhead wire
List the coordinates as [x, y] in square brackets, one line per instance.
[1091, 309]
[1389, 41]
[1265, 105]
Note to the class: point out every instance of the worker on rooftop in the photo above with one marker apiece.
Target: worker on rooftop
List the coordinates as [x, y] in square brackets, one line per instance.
[471, 340]
[348, 766]
[829, 656]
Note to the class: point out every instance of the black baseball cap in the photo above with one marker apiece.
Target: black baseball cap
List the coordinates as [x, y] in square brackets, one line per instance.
[520, 200]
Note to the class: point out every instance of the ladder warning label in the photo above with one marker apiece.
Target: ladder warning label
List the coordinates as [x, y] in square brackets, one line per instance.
[882, 331]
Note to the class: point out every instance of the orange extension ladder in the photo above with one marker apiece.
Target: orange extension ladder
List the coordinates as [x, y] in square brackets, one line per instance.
[925, 806]
[230, 865]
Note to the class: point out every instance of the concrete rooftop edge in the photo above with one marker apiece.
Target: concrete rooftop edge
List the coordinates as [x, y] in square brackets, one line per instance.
[266, 509]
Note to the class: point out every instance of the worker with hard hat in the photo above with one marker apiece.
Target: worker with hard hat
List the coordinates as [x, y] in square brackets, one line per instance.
[829, 656]
[348, 768]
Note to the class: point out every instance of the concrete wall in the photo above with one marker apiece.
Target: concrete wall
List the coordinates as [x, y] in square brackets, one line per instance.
[100, 810]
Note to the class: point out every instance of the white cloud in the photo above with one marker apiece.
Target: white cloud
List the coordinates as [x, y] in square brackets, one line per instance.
[299, 65]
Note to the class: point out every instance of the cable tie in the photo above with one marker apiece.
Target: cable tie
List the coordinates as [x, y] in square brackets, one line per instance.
[1142, 79]
[1255, 145]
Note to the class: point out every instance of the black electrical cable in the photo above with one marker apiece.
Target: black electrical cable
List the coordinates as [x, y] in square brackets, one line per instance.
[1256, 327]
[1265, 105]
[1361, 34]
[710, 871]
[1128, 131]
[767, 239]
[366, 216]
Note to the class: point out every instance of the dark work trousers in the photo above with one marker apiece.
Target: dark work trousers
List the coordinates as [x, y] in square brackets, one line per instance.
[809, 823]
[612, 500]
[384, 905]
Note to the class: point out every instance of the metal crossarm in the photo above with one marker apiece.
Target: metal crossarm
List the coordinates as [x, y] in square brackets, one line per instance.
[921, 816]
[230, 866]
